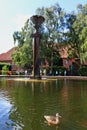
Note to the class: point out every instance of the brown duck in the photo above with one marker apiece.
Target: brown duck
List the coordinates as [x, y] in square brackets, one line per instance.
[53, 120]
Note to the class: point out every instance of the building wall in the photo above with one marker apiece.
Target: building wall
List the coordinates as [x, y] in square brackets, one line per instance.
[67, 63]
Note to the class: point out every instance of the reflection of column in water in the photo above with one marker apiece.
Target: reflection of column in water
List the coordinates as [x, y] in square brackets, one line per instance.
[56, 83]
[36, 87]
[64, 81]
[64, 92]
[44, 86]
[32, 87]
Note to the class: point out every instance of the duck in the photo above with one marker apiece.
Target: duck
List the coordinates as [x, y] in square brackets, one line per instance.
[52, 120]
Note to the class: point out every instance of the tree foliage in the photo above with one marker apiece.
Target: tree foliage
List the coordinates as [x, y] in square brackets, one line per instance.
[77, 33]
[53, 32]
[22, 55]
[68, 29]
[82, 28]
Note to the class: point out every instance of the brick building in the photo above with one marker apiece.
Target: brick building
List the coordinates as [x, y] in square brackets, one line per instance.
[6, 58]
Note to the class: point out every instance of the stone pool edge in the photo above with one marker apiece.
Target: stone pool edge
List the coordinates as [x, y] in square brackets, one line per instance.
[49, 77]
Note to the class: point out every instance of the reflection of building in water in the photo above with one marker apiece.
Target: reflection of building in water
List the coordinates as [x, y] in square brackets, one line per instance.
[64, 92]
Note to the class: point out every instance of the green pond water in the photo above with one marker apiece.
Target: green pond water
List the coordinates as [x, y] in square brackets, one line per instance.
[24, 103]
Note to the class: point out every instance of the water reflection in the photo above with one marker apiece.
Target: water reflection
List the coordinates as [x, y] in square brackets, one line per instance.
[23, 104]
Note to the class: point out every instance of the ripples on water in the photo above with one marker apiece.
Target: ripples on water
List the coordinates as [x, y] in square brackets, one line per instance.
[23, 104]
[5, 107]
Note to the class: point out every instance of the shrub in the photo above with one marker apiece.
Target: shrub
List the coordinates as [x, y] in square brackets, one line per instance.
[82, 71]
[4, 69]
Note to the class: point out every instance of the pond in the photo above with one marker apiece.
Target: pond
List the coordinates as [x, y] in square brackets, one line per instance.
[24, 103]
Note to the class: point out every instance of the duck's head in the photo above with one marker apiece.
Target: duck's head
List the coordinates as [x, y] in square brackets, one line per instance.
[57, 115]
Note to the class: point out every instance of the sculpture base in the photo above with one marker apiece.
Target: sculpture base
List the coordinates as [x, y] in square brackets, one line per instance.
[35, 77]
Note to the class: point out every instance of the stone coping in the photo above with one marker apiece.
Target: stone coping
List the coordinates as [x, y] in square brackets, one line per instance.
[48, 77]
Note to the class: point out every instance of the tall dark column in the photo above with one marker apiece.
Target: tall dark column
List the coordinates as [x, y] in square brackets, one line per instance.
[37, 21]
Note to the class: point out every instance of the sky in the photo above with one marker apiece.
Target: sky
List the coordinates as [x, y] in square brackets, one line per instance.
[14, 13]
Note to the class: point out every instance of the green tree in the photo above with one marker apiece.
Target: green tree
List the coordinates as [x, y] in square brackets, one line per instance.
[22, 55]
[76, 35]
[82, 28]
[53, 32]
[4, 69]
[72, 41]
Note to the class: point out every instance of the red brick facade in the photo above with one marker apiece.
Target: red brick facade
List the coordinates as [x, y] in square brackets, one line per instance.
[6, 58]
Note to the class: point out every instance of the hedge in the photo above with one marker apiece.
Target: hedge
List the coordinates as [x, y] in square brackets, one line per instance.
[82, 71]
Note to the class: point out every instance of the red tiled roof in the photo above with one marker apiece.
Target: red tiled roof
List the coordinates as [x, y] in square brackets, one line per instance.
[6, 56]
